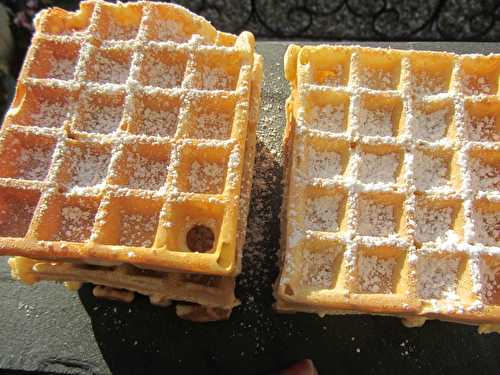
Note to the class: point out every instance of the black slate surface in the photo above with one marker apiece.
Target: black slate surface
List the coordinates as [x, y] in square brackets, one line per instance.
[48, 330]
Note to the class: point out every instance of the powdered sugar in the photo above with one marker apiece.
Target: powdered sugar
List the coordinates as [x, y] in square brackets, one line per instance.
[375, 274]
[437, 277]
[376, 219]
[318, 269]
[476, 85]
[157, 73]
[104, 119]
[431, 172]
[15, 214]
[431, 126]
[206, 177]
[433, 223]
[484, 176]
[62, 69]
[146, 173]
[377, 79]
[87, 167]
[482, 129]
[324, 164]
[375, 168]
[137, 229]
[33, 162]
[376, 122]
[217, 79]
[76, 224]
[105, 69]
[51, 114]
[329, 118]
[159, 123]
[490, 281]
[212, 125]
[426, 83]
[322, 213]
[487, 227]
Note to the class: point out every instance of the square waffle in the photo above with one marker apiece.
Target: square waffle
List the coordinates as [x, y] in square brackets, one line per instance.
[126, 140]
[210, 297]
[392, 201]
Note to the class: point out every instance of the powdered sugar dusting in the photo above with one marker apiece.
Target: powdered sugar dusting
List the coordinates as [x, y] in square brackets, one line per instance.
[159, 123]
[324, 164]
[431, 126]
[375, 168]
[437, 277]
[329, 118]
[375, 274]
[137, 229]
[490, 281]
[377, 79]
[76, 224]
[482, 129]
[433, 223]
[206, 177]
[485, 176]
[146, 173]
[87, 167]
[322, 213]
[104, 119]
[217, 79]
[32, 162]
[426, 83]
[376, 122]
[15, 215]
[487, 227]
[430, 171]
[51, 114]
[476, 85]
[62, 69]
[212, 126]
[318, 269]
[157, 73]
[376, 219]
[108, 70]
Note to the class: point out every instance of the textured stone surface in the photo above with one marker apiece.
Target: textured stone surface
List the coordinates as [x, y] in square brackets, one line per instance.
[46, 329]
[352, 19]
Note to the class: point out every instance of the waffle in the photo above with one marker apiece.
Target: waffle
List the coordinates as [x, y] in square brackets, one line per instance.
[210, 297]
[392, 201]
[125, 142]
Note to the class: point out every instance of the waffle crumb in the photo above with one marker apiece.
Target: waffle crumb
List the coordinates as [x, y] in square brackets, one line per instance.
[375, 274]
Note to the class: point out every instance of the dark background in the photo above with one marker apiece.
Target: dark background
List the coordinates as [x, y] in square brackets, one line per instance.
[44, 329]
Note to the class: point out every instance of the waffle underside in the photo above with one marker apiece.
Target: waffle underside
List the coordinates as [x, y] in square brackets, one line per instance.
[153, 98]
[212, 296]
[437, 261]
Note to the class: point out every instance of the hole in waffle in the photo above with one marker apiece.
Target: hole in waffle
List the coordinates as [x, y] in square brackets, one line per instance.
[182, 216]
[67, 218]
[61, 22]
[380, 214]
[379, 269]
[54, 59]
[84, 164]
[203, 170]
[435, 170]
[486, 222]
[119, 22]
[100, 112]
[480, 75]
[438, 275]
[327, 66]
[380, 115]
[430, 73]
[379, 70]
[16, 210]
[217, 71]
[108, 65]
[211, 118]
[128, 221]
[438, 220]
[176, 25]
[163, 68]
[26, 156]
[380, 164]
[489, 279]
[485, 170]
[433, 121]
[326, 159]
[321, 267]
[142, 166]
[325, 210]
[482, 120]
[155, 115]
[45, 106]
[327, 112]
[200, 239]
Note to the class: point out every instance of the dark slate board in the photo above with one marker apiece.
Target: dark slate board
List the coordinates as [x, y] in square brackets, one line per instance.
[46, 329]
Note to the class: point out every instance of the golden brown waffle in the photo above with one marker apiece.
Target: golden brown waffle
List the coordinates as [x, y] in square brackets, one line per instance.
[125, 142]
[392, 201]
[212, 296]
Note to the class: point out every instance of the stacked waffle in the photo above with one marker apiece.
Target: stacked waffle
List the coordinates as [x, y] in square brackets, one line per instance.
[392, 202]
[127, 155]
